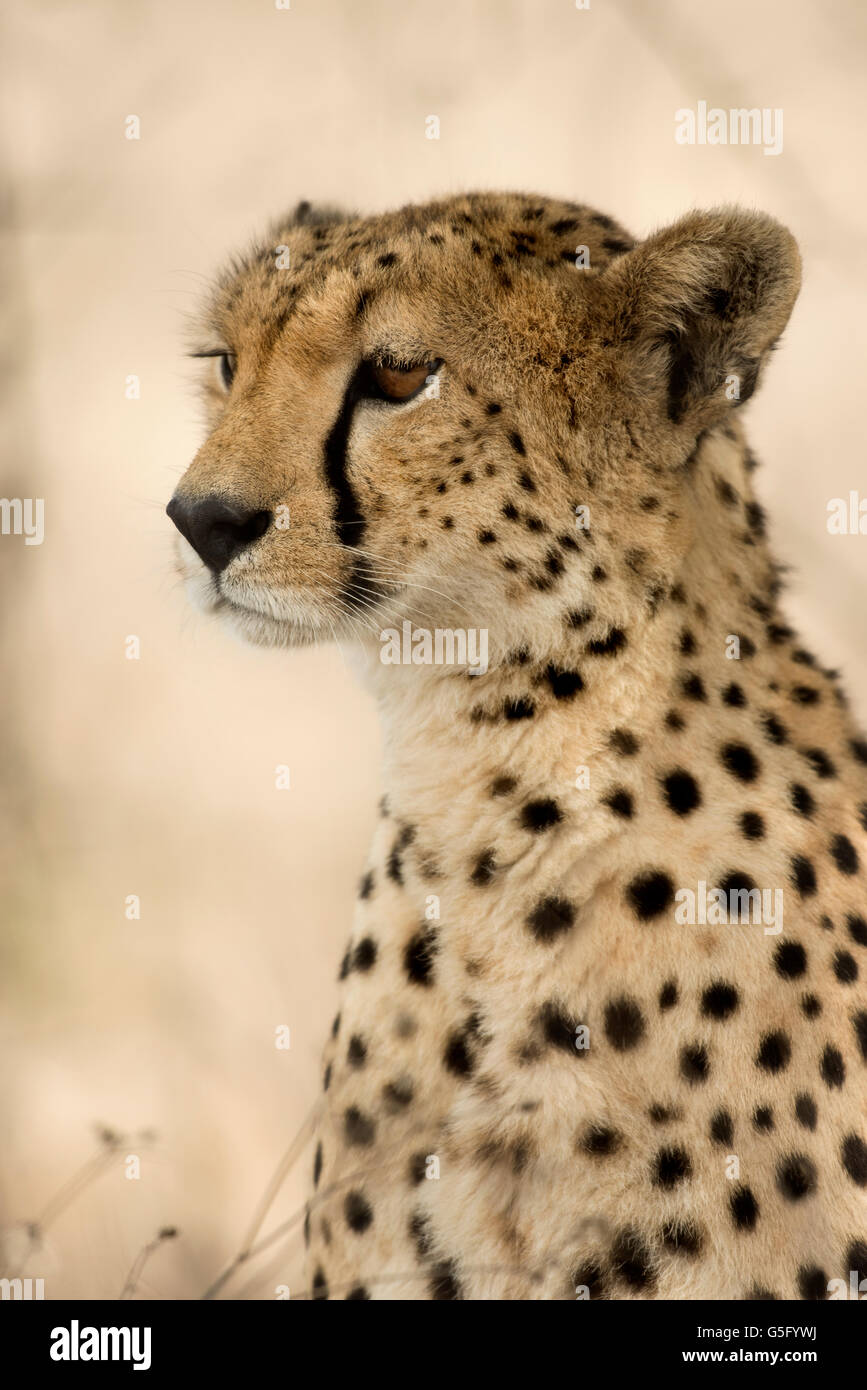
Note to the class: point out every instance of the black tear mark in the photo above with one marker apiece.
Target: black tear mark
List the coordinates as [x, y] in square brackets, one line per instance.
[349, 520]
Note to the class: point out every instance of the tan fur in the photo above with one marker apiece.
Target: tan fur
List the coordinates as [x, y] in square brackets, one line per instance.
[547, 1170]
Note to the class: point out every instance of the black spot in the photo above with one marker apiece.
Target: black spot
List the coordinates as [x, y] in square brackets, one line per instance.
[796, 1177]
[775, 732]
[358, 1212]
[857, 928]
[736, 882]
[859, 749]
[487, 537]
[740, 761]
[600, 1141]
[624, 1023]
[820, 762]
[317, 1165]
[517, 444]
[853, 1156]
[630, 1260]
[856, 1258]
[540, 815]
[609, 645]
[812, 1283]
[357, 1293]
[589, 1276]
[805, 695]
[845, 967]
[719, 1000]
[844, 854]
[803, 876]
[694, 1063]
[832, 1068]
[662, 1114]
[774, 1052]
[668, 995]
[681, 792]
[358, 1128]
[564, 684]
[579, 617]
[722, 1128]
[550, 918]
[356, 1053]
[364, 956]
[457, 1057]
[444, 1284]
[752, 825]
[859, 1023]
[790, 960]
[418, 956]
[649, 894]
[417, 1169]
[622, 741]
[802, 800]
[806, 1110]
[365, 888]
[693, 687]
[558, 1029]
[671, 1166]
[682, 1238]
[420, 1234]
[501, 786]
[744, 1208]
[484, 868]
[763, 1118]
[518, 709]
[397, 1094]
[734, 696]
[620, 802]
[320, 1284]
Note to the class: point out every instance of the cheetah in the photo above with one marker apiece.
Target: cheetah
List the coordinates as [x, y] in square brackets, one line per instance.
[603, 1016]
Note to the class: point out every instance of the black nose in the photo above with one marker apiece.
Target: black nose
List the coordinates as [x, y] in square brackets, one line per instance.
[217, 529]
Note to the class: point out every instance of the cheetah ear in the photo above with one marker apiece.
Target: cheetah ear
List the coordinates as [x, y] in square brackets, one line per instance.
[698, 307]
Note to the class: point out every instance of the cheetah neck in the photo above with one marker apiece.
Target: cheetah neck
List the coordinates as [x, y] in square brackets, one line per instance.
[556, 717]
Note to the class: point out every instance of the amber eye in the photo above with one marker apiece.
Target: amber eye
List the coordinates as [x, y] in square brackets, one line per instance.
[389, 381]
[227, 369]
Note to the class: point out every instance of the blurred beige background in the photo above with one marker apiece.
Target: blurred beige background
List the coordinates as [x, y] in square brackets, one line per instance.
[156, 777]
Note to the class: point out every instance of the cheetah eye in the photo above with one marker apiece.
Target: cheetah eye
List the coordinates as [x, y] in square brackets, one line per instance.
[393, 381]
[227, 369]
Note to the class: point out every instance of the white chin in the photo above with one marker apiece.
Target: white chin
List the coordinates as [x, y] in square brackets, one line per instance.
[262, 629]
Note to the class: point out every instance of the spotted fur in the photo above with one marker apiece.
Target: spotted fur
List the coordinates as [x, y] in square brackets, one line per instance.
[710, 1139]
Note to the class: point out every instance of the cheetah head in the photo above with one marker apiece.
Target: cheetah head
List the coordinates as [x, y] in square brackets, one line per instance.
[481, 405]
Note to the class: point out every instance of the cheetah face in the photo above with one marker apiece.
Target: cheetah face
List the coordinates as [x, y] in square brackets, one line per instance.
[464, 413]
